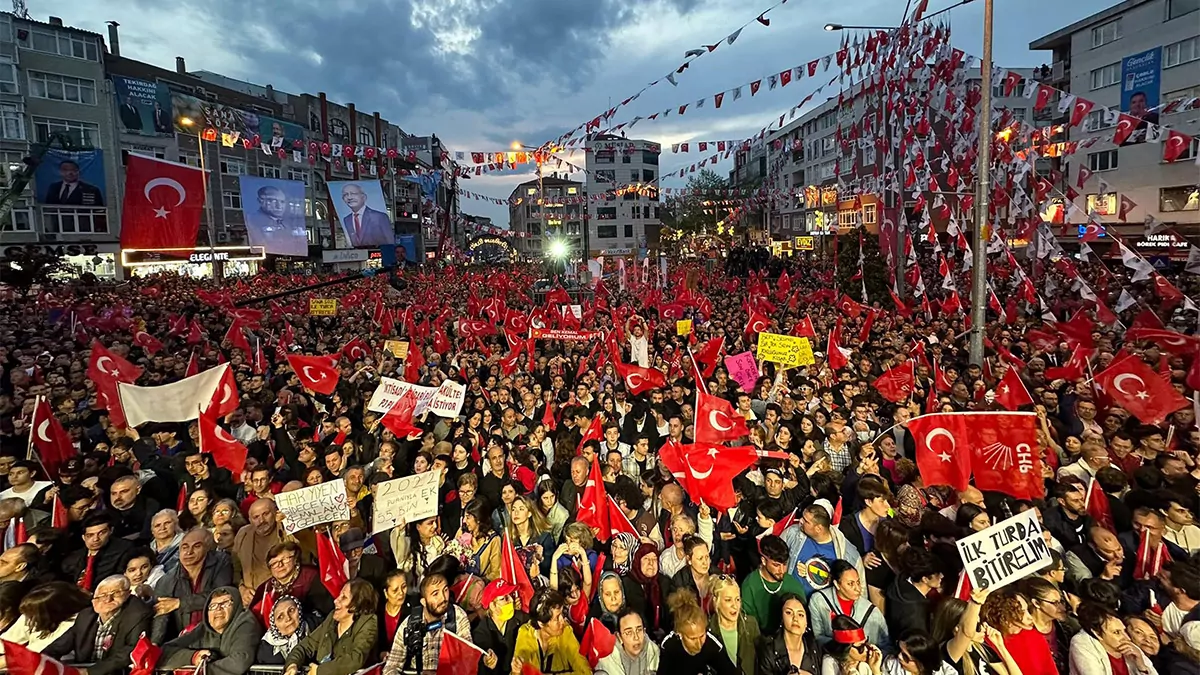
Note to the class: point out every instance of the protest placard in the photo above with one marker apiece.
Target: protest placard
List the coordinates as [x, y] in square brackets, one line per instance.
[397, 348]
[323, 503]
[683, 327]
[444, 401]
[405, 500]
[567, 335]
[1005, 552]
[322, 306]
[743, 370]
[786, 350]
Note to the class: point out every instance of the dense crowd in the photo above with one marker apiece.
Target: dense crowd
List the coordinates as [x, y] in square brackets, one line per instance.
[832, 557]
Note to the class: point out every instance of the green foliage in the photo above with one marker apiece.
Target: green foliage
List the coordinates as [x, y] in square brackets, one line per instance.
[32, 266]
[686, 213]
[874, 268]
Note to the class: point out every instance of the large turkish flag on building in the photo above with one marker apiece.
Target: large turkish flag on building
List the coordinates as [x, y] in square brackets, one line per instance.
[163, 203]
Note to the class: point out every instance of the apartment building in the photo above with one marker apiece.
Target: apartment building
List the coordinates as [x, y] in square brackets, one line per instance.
[625, 173]
[559, 218]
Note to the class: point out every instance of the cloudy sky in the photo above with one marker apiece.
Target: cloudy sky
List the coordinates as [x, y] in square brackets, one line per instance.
[483, 73]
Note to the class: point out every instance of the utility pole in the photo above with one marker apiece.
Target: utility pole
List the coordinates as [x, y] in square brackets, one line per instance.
[982, 191]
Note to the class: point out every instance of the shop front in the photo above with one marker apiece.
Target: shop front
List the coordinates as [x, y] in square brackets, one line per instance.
[197, 263]
[98, 259]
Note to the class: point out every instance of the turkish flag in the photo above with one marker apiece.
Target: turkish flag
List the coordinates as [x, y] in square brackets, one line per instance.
[458, 656]
[1080, 110]
[195, 333]
[1175, 145]
[709, 471]
[105, 365]
[896, 384]
[756, 322]
[1073, 369]
[1097, 505]
[1126, 125]
[49, 438]
[639, 380]
[716, 420]
[837, 357]
[1138, 389]
[163, 203]
[597, 643]
[236, 338]
[332, 563]
[58, 514]
[21, 660]
[144, 657]
[849, 307]
[399, 419]
[943, 455]
[147, 342]
[318, 373]
[1005, 455]
[1169, 340]
[226, 451]
[512, 571]
[1011, 392]
[474, 329]
[804, 328]
[516, 322]
[356, 350]
[225, 397]
[414, 363]
[710, 356]
[593, 504]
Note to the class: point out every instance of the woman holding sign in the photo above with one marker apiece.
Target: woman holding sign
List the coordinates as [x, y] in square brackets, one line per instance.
[967, 642]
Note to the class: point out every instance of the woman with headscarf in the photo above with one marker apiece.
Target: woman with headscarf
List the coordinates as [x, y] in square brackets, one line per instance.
[287, 627]
[228, 638]
[645, 590]
[609, 600]
[624, 546]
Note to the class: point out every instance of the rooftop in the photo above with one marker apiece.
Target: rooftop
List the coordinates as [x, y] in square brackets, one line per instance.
[1062, 36]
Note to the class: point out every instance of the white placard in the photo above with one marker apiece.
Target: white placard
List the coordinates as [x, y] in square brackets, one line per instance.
[323, 503]
[405, 500]
[444, 401]
[1005, 552]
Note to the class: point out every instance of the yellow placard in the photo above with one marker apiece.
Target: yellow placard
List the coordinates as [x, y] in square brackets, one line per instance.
[322, 306]
[683, 327]
[804, 243]
[786, 350]
[397, 348]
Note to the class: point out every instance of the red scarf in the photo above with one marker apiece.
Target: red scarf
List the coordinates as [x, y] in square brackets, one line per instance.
[1149, 562]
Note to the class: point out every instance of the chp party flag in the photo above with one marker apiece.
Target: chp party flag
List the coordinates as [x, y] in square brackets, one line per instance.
[163, 203]
[1000, 448]
[174, 402]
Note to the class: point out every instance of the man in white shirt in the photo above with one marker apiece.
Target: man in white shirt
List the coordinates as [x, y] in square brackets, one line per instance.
[24, 487]
[244, 433]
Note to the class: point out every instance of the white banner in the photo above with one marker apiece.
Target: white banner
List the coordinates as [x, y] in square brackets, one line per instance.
[323, 503]
[405, 500]
[176, 402]
[1005, 552]
[444, 401]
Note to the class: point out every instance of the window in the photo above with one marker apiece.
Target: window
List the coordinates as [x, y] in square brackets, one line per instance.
[868, 155]
[231, 200]
[869, 214]
[630, 195]
[847, 218]
[74, 221]
[61, 43]
[606, 231]
[1184, 198]
[629, 231]
[80, 132]
[12, 122]
[626, 158]
[189, 158]
[650, 158]
[1105, 160]
[605, 157]
[232, 166]
[1177, 8]
[8, 77]
[635, 176]
[531, 191]
[314, 122]
[573, 229]
[1103, 205]
[1109, 32]
[998, 88]
[267, 171]
[366, 136]
[827, 145]
[1181, 52]
[338, 131]
[1106, 76]
[62, 88]
[301, 176]
[1097, 120]
[603, 176]
[1190, 92]
[147, 150]
[1019, 114]
[607, 213]
[535, 229]
[18, 220]
[647, 176]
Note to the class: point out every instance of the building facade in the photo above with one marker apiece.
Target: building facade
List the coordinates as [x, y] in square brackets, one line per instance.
[624, 173]
[559, 218]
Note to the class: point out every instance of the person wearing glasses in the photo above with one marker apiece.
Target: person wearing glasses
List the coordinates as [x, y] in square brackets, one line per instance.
[634, 653]
[1048, 608]
[289, 577]
[105, 633]
[227, 638]
[849, 652]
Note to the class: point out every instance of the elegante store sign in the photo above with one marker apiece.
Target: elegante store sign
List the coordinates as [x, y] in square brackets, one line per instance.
[197, 256]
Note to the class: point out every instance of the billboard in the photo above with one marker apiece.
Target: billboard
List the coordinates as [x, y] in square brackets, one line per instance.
[1140, 90]
[274, 212]
[362, 212]
[144, 107]
[70, 178]
[225, 119]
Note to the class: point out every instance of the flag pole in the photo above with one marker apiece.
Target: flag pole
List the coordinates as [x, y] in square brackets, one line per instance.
[37, 402]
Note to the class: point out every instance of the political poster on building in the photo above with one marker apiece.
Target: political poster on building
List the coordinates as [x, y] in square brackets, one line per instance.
[70, 178]
[144, 107]
[274, 213]
[444, 401]
[237, 124]
[1005, 552]
[303, 508]
[362, 213]
[405, 500]
[1141, 84]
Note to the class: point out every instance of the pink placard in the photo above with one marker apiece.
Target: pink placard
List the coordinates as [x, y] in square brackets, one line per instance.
[743, 369]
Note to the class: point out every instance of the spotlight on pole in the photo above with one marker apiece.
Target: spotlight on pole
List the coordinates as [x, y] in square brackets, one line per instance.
[557, 249]
[830, 27]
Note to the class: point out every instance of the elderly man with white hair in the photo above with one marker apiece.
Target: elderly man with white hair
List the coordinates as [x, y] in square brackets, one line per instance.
[104, 634]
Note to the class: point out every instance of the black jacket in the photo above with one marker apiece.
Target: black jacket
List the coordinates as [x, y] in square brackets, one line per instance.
[487, 636]
[1068, 532]
[907, 610]
[109, 561]
[773, 656]
[131, 621]
[134, 524]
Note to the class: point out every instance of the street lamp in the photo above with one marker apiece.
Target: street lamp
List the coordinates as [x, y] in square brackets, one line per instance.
[212, 226]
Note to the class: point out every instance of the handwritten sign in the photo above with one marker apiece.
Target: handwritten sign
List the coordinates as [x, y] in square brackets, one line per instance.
[1005, 552]
[397, 348]
[743, 369]
[787, 350]
[683, 327]
[322, 306]
[323, 503]
[444, 401]
[405, 500]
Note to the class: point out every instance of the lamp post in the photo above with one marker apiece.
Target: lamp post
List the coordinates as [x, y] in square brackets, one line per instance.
[212, 226]
[537, 159]
[982, 193]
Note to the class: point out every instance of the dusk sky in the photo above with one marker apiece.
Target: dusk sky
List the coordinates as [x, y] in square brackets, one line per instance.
[483, 73]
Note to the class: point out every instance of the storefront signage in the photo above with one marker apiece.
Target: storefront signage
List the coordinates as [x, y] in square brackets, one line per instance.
[616, 251]
[208, 256]
[131, 257]
[804, 243]
[59, 249]
[1161, 242]
[344, 255]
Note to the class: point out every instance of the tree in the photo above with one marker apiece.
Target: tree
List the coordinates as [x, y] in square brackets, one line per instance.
[32, 266]
[874, 268]
[687, 212]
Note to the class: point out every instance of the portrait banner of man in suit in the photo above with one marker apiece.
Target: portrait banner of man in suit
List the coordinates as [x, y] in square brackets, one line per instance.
[274, 213]
[362, 211]
[143, 106]
[70, 178]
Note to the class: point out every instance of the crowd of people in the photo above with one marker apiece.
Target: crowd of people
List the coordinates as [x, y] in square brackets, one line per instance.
[835, 558]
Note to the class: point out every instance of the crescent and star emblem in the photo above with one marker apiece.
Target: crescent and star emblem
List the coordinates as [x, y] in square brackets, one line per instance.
[1120, 380]
[100, 366]
[702, 476]
[318, 377]
[714, 415]
[41, 431]
[224, 436]
[181, 193]
[944, 456]
[634, 380]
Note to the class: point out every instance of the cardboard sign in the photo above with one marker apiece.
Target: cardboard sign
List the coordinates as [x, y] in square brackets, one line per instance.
[322, 306]
[743, 369]
[303, 508]
[397, 348]
[444, 401]
[787, 350]
[405, 500]
[1005, 552]
[683, 327]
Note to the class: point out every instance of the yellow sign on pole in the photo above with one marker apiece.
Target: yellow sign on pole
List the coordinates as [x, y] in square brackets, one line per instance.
[683, 327]
[786, 350]
[397, 348]
[322, 306]
[804, 243]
